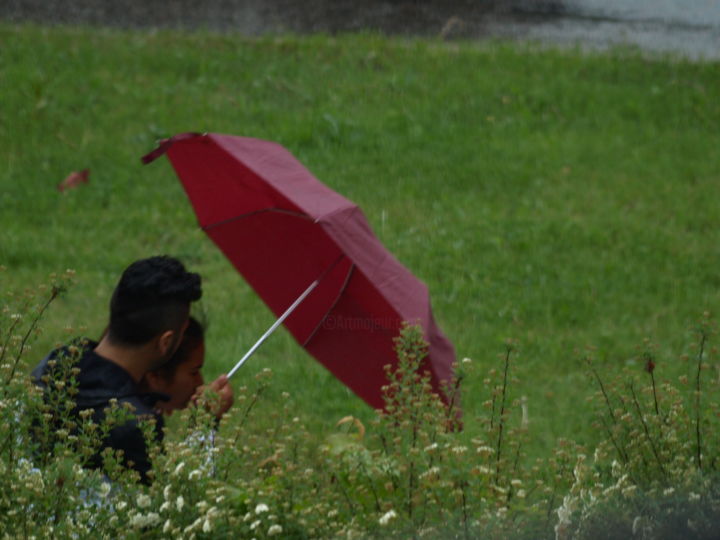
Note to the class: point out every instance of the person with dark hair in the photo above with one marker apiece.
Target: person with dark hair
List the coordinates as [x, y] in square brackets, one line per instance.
[149, 312]
[181, 378]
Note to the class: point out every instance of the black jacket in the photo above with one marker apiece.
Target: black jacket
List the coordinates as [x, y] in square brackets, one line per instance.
[99, 381]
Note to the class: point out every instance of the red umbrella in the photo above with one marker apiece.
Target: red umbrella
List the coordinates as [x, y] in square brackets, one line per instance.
[288, 234]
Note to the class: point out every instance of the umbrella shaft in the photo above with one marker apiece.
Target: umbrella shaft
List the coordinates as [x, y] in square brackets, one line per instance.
[277, 323]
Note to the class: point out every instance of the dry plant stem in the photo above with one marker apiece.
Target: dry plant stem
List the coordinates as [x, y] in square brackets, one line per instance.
[411, 478]
[335, 480]
[501, 418]
[626, 410]
[378, 508]
[657, 407]
[383, 440]
[701, 352]
[492, 412]
[53, 295]
[255, 399]
[450, 409]
[620, 450]
[602, 389]
[516, 462]
[7, 339]
[9, 334]
[646, 429]
[652, 378]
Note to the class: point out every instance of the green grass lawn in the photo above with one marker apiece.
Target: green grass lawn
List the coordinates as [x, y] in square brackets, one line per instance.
[561, 199]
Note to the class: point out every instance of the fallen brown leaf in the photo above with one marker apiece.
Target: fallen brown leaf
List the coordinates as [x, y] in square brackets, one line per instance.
[74, 179]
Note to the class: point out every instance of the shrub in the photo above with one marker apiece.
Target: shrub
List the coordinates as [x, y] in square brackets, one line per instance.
[655, 473]
[414, 470]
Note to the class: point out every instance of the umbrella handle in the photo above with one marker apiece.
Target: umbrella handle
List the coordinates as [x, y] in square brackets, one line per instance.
[277, 323]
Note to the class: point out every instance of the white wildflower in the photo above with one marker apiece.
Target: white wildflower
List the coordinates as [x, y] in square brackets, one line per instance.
[459, 449]
[431, 472]
[693, 496]
[195, 524]
[141, 520]
[180, 503]
[274, 529]
[121, 506]
[609, 491]
[166, 493]
[255, 525]
[669, 491]
[466, 360]
[566, 510]
[332, 513]
[247, 517]
[167, 527]
[105, 489]
[386, 517]
[143, 501]
[432, 447]
[164, 507]
[629, 491]
[260, 508]
[485, 450]
[499, 489]
[194, 475]
[180, 467]
[207, 527]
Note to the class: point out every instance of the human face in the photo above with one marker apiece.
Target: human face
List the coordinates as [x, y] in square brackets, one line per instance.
[188, 377]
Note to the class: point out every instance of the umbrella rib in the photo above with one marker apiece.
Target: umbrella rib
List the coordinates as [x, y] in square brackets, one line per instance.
[256, 212]
[351, 270]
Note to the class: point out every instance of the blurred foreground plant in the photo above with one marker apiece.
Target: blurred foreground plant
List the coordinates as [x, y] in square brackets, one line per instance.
[418, 469]
[655, 474]
[415, 472]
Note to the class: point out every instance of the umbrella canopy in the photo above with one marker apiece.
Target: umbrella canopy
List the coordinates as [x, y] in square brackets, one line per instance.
[282, 229]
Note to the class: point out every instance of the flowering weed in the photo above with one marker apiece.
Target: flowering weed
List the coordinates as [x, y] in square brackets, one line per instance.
[421, 467]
